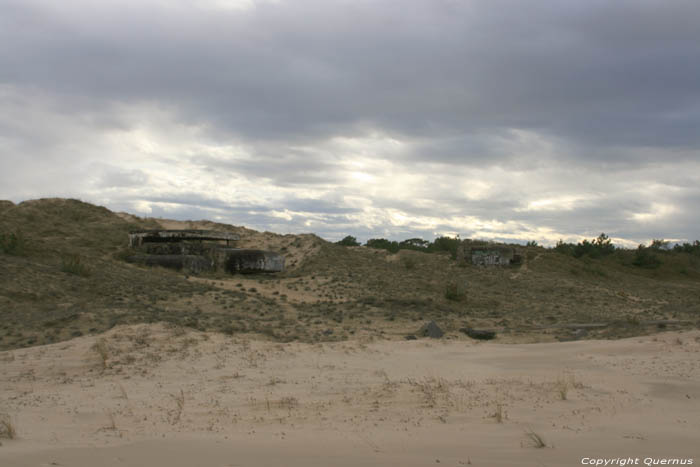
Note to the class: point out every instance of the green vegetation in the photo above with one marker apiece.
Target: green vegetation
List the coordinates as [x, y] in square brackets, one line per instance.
[440, 244]
[596, 248]
[383, 244]
[408, 262]
[73, 264]
[49, 294]
[71, 280]
[445, 244]
[348, 241]
[645, 258]
[691, 248]
[455, 292]
[417, 244]
[13, 243]
[660, 259]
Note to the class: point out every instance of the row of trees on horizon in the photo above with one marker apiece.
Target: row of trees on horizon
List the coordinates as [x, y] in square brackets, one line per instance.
[595, 248]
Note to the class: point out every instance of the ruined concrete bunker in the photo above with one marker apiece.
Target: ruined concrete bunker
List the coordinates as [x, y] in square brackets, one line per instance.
[494, 255]
[198, 251]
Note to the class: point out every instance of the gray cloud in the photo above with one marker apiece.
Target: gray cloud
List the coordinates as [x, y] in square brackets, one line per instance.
[604, 73]
[117, 178]
[565, 112]
[288, 168]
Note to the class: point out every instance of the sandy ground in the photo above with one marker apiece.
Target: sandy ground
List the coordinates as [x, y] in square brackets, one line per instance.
[151, 395]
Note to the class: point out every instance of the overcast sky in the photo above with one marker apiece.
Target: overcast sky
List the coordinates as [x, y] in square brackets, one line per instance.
[494, 119]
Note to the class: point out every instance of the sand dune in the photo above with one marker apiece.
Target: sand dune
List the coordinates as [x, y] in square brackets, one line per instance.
[165, 396]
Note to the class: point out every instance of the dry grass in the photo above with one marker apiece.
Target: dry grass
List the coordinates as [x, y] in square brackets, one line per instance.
[499, 415]
[74, 264]
[288, 403]
[565, 383]
[7, 427]
[562, 386]
[7, 357]
[179, 407]
[434, 390]
[101, 348]
[536, 440]
[332, 293]
[122, 392]
[112, 425]
[274, 381]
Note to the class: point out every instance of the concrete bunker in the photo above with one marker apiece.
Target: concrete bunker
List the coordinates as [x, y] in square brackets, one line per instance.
[494, 255]
[247, 261]
[198, 251]
[139, 237]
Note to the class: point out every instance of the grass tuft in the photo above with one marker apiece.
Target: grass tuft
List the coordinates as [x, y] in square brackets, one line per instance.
[74, 265]
[536, 439]
[180, 406]
[455, 292]
[562, 388]
[102, 350]
[7, 427]
[499, 415]
[13, 244]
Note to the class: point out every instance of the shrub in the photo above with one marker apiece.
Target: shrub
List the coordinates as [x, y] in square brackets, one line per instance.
[564, 248]
[348, 241]
[383, 244]
[440, 244]
[409, 263]
[659, 244]
[455, 292]
[414, 244]
[692, 248]
[13, 244]
[644, 258]
[123, 254]
[447, 244]
[601, 246]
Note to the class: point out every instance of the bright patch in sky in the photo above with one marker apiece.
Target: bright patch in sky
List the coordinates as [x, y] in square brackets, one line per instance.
[657, 212]
[497, 120]
[565, 203]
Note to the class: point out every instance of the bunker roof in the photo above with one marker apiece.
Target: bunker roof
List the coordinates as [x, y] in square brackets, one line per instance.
[148, 236]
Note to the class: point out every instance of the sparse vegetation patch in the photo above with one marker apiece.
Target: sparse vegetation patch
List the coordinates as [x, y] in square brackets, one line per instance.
[7, 427]
[74, 264]
[13, 243]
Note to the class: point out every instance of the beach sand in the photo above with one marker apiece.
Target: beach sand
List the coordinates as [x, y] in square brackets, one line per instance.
[154, 395]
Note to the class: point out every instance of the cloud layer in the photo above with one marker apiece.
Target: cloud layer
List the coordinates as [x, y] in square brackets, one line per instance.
[499, 119]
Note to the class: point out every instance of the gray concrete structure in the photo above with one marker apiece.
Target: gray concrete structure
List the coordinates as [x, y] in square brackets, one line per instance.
[494, 255]
[247, 261]
[139, 237]
[199, 251]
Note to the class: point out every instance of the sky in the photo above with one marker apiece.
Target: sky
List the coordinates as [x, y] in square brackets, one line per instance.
[497, 119]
